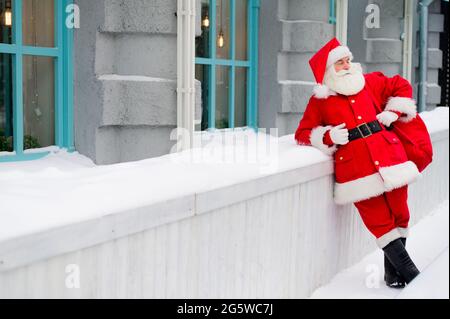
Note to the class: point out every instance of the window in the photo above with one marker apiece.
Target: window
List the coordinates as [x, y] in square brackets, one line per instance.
[226, 63]
[35, 78]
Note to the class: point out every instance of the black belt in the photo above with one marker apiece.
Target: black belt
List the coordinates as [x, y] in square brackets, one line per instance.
[364, 130]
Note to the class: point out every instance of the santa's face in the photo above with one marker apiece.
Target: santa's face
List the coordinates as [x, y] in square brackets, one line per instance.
[349, 80]
[343, 64]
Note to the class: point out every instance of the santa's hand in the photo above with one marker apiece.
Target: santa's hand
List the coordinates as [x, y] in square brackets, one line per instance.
[339, 134]
[387, 118]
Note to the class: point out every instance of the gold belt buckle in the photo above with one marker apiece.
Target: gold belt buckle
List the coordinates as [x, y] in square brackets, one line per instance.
[368, 128]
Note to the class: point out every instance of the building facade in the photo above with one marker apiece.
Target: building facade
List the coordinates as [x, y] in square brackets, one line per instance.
[107, 88]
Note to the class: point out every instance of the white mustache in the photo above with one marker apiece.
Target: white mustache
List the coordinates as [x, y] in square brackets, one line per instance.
[346, 82]
[355, 68]
[344, 73]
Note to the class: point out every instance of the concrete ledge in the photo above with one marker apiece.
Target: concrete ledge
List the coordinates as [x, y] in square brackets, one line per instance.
[138, 100]
[435, 57]
[295, 96]
[436, 22]
[433, 94]
[433, 75]
[128, 54]
[434, 40]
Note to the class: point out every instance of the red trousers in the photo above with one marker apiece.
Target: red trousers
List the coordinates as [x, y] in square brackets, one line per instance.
[386, 216]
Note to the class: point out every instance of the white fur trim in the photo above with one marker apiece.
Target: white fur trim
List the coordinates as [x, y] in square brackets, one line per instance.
[399, 175]
[404, 232]
[405, 105]
[388, 179]
[322, 91]
[359, 189]
[316, 139]
[388, 238]
[338, 53]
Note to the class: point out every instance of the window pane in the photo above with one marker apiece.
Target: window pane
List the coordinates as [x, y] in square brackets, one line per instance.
[6, 21]
[223, 29]
[222, 97]
[241, 29]
[6, 103]
[38, 23]
[241, 97]
[38, 101]
[202, 75]
[202, 39]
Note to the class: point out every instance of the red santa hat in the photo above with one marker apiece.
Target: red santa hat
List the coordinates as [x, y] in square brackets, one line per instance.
[332, 52]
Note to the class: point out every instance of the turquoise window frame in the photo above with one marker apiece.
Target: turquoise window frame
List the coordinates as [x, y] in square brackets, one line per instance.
[63, 60]
[332, 19]
[251, 64]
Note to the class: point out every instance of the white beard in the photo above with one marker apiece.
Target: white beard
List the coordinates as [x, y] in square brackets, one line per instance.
[345, 82]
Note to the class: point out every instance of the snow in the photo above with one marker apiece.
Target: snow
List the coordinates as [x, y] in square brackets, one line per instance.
[133, 78]
[292, 82]
[433, 283]
[436, 120]
[65, 188]
[428, 247]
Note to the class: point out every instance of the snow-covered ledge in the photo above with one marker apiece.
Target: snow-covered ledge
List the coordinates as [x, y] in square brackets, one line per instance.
[168, 227]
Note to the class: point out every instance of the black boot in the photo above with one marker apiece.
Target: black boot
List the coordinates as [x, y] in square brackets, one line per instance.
[399, 258]
[392, 278]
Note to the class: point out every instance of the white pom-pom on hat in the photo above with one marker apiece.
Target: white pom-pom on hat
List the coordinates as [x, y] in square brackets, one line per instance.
[322, 91]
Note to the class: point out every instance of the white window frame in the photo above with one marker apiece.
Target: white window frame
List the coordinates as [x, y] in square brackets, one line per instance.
[408, 39]
[186, 13]
[342, 21]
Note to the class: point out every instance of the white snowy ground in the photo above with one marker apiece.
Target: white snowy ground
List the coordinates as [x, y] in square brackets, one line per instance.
[428, 246]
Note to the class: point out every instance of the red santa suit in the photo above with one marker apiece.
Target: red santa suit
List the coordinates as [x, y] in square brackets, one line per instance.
[371, 172]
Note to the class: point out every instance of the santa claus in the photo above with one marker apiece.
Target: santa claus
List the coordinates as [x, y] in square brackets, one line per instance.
[372, 169]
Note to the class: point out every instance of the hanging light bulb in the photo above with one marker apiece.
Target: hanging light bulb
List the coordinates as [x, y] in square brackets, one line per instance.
[221, 40]
[205, 22]
[8, 17]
